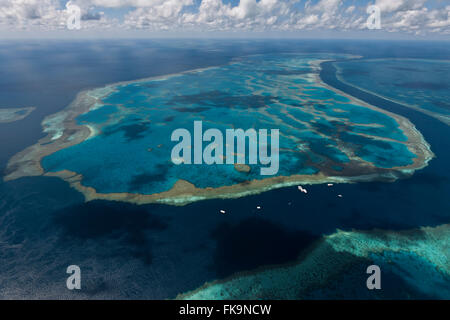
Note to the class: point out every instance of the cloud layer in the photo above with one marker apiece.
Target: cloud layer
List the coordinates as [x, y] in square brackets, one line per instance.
[407, 16]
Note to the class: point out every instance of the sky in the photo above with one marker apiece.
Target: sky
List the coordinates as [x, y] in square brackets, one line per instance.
[404, 19]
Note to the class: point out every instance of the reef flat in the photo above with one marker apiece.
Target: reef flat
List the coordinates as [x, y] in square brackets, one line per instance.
[14, 114]
[419, 257]
[114, 142]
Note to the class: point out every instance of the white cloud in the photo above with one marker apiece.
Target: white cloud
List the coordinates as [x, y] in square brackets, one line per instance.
[247, 15]
[163, 15]
[350, 9]
[388, 6]
[120, 3]
[44, 15]
[411, 16]
[22, 13]
[439, 18]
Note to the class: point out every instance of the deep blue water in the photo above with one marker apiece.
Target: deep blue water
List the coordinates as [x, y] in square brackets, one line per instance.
[418, 82]
[157, 251]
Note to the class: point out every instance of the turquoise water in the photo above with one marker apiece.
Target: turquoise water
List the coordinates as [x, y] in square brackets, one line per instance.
[131, 152]
[420, 83]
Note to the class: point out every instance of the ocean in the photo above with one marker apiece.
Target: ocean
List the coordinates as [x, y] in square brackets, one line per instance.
[159, 251]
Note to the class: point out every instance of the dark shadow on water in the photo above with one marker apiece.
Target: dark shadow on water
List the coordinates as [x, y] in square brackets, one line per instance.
[169, 119]
[141, 180]
[255, 242]
[131, 131]
[219, 99]
[102, 220]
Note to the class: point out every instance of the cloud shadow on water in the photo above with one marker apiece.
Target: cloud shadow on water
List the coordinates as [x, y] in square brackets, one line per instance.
[129, 225]
[255, 242]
